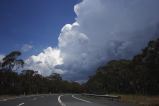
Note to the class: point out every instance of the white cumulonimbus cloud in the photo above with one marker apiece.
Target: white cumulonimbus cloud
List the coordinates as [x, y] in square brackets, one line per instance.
[45, 62]
[103, 30]
[1, 57]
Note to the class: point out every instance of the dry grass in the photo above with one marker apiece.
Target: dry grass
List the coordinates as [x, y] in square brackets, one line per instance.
[141, 100]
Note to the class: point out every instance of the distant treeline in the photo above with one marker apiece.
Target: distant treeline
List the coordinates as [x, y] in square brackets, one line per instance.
[137, 76]
[29, 81]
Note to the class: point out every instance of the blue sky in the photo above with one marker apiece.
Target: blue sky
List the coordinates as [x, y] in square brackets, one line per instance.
[33, 22]
[103, 30]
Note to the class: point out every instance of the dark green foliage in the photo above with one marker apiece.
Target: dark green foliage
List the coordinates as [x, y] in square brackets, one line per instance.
[138, 76]
[29, 81]
[11, 61]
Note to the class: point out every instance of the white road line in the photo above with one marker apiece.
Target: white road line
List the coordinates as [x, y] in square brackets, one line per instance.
[20, 104]
[4, 100]
[59, 100]
[81, 99]
[18, 97]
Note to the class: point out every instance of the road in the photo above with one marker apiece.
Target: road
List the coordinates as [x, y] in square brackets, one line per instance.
[59, 100]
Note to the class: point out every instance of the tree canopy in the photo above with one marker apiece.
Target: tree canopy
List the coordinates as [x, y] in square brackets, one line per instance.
[139, 75]
[29, 81]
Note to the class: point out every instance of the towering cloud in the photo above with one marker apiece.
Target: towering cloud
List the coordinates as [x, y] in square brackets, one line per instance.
[1, 57]
[103, 30]
[46, 61]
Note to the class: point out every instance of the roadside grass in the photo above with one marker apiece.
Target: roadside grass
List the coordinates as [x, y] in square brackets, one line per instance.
[137, 100]
[141, 100]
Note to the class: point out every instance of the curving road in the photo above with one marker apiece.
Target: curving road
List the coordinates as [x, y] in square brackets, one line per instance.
[59, 100]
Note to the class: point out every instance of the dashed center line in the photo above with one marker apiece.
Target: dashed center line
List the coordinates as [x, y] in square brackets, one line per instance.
[81, 99]
[4, 100]
[20, 104]
[59, 100]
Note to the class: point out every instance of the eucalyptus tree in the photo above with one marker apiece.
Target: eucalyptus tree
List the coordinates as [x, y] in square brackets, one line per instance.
[12, 62]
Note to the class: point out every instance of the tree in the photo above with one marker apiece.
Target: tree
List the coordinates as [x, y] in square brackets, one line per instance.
[139, 75]
[55, 76]
[11, 61]
[29, 81]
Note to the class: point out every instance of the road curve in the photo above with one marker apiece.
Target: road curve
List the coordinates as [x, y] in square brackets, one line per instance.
[58, 100]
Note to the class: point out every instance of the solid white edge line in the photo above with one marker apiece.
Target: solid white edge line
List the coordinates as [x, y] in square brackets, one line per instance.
[59, 100]
[81, 99]
[20, 104]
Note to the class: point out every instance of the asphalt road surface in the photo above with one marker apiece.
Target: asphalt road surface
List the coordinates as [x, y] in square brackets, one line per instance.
[59, 100]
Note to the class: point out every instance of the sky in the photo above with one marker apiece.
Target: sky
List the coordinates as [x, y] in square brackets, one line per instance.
[32, 25]
[74, 38]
